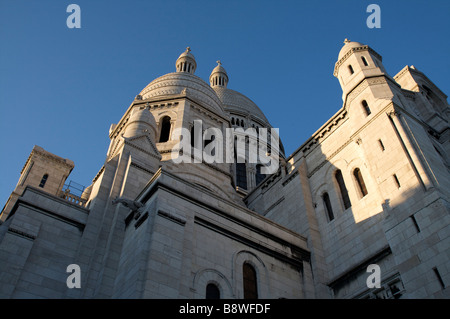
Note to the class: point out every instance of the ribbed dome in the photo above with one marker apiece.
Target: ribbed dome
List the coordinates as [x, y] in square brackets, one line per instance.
[233, 100]
[179, 82]
[347, 46]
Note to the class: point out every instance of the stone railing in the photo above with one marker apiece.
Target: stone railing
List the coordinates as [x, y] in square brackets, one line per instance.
[74, 199]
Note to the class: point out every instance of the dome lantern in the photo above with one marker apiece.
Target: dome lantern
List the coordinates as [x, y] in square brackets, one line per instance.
[219, 76]
[186, 62]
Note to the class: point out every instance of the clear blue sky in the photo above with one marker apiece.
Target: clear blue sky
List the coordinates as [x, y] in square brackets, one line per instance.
[61, 88]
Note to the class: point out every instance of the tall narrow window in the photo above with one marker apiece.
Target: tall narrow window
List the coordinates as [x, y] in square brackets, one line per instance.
[250, 285]
[366, 107]
[328, 208]
[397, 182]
[43, 180]
[207, 142]
[343, 189]
[439, 278]
[165, 129]
[360, 181]
[364, 61]
[350, 68]
[212, 291]
[381, 145]
[259, 177]
[241, 175]
[415, 223]
[192, 137]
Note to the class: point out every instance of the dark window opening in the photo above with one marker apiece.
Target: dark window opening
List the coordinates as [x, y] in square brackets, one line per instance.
[413, 218]
[439, 278]
[351, 69]
[343, 189]
[250, 285]
[381, 145]
[213, 151]
[165, 129]
[241, 175]
[364, 61]
[328, 208]
[360, 181]
[259, 176]
[366, 107]
[212, 291]
[43, 180]
[397, 182]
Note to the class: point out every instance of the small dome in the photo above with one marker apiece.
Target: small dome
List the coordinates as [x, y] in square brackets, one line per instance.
[219, 76]
[347, 46]
[141, 120]
[186, 62]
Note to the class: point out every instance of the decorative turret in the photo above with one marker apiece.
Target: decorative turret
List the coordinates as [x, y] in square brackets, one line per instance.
[141, 121]
[356, 62]
[219, 76]
[186, 62]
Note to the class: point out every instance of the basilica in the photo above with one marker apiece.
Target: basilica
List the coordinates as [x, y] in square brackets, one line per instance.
[370, 188]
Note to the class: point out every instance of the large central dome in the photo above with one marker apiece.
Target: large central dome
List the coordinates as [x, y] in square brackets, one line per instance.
[184, 81]
[178, 82]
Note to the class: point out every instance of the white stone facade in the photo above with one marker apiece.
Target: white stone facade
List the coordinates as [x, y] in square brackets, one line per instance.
[371, 186]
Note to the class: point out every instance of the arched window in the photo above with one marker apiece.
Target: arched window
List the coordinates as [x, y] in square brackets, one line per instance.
[350, 68]
[212, 291]
[360, 181]
[328, 208]
[366, 107]
[364, 61]
[342, 189]
[165, 129]
[250, 284]
[259, 177]
[232, 121]
[43, 180]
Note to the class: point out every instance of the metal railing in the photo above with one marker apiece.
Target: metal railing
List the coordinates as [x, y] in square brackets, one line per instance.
[75, 193]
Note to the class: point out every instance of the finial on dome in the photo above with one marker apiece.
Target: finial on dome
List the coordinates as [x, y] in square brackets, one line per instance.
[218, 62]
[188, 49]
[347, 41]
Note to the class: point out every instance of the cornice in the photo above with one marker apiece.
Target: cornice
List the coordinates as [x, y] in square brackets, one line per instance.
[49, 156]
[354, 137]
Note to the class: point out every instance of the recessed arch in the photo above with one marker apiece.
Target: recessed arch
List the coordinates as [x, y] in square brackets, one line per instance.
[206, 276]
[263, 284]
[165, 129]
